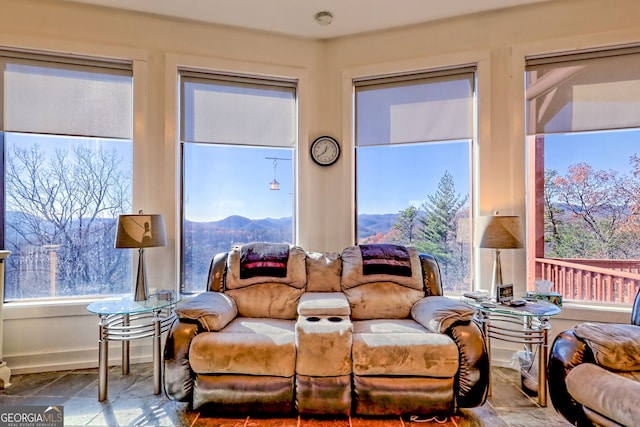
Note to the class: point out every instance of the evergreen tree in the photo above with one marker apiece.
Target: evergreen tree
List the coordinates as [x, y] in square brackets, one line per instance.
[406, 224]
[439, 225]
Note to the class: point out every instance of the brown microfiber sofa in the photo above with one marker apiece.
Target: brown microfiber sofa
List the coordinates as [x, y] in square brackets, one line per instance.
[365, 331]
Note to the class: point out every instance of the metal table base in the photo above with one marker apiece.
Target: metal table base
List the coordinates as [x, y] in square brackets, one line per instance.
[126, 327]
[530, 331]
[526, 324]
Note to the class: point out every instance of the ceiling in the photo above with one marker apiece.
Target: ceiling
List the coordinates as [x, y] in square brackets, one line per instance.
[297, 17]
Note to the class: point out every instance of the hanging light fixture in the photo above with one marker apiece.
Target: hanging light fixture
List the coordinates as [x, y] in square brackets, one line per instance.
[274, 185]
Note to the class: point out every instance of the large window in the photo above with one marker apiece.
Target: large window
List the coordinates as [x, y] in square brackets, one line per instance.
[583, 126]
[66, 136]
[414, 138]
[238, 160]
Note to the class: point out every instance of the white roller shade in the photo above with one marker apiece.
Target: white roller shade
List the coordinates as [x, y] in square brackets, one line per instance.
[238, 112]
[583, 93]
[67, 99]
[419, 109]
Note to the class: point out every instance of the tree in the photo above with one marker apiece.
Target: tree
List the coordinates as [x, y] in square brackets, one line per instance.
[439, 225]
[600, 205]
[66, 202]
[406, 225]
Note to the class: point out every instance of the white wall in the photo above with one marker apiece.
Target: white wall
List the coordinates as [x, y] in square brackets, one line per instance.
[40, 337]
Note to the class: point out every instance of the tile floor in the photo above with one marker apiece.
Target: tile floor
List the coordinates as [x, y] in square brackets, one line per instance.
[131, 402]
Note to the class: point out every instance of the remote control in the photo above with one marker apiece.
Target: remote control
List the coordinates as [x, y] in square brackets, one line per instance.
[517, 303]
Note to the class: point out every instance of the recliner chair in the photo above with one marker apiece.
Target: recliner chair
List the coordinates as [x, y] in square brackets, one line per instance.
[594, 373]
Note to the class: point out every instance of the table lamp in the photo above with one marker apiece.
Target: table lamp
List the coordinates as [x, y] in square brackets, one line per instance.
[140, 231]
[498, 232]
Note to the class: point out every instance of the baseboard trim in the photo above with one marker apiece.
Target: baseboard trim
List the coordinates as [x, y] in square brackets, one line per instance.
[76, 359]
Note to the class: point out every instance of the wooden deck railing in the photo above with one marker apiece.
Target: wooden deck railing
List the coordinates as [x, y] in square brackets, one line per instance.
[613, 281]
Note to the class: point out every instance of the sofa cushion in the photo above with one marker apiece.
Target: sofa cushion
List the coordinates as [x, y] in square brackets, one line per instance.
[323, 304]
[381, 300]
[355, 273]
[606, 393]
[323, 271]
[270, 300]
[402, 347]
[615, 346]
[246, 268]
[212, 310]
[246, 346]
[438, 313]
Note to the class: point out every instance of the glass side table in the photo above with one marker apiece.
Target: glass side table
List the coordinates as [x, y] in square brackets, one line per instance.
[527, 324]
[123, 319]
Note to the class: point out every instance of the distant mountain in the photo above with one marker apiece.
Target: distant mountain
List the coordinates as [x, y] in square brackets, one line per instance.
[371, 224]
[236, 222]
[238, 229]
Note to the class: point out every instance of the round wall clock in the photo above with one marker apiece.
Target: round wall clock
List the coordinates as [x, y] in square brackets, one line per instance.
[325, 150]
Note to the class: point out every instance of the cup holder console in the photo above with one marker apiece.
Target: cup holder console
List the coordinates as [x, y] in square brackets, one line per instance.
[333, 319]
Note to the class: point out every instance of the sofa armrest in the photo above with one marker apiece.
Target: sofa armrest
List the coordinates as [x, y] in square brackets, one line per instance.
[567, 352]
[605, 393]
[614, 346]
[323, 304]
[178, 377]
[212, 310]
[472, 380]
[443, 315]
[438, 313]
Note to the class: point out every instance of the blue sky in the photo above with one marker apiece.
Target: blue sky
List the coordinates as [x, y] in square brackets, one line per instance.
[249, 170]
[398, 175]
[392, 178]
[602, 150]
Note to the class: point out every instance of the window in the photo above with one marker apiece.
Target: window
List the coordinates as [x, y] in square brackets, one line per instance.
[414, 137]
[66, 136]
[583, 127]
[238, 160]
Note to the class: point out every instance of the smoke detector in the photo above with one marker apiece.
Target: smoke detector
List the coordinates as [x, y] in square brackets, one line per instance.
[324, 18]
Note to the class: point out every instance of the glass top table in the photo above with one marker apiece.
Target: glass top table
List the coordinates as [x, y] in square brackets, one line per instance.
[527, 324]
[124, 319]
[532, 308]
[127, 305]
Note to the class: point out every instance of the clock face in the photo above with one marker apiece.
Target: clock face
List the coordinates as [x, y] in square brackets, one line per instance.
[325, 150]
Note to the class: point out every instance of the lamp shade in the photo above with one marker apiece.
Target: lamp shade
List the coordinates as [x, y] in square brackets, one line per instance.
[499, 232]
[140, 231]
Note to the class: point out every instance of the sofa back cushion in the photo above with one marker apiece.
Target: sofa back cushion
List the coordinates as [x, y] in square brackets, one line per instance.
[381, 281]
[266, 279]
[323, 271]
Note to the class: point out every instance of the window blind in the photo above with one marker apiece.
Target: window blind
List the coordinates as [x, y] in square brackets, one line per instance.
[78, 97]
[588, 91]
[426, 107]
[238, 110]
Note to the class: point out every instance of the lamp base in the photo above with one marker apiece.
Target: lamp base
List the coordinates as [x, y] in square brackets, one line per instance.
[141, 292]
[497, 275]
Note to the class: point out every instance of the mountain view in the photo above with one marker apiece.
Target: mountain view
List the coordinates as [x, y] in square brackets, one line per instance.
[205, 239]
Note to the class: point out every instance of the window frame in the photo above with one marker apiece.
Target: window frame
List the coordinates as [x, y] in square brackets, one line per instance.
[535, 142]
[133, 64]
[230, 77]
[415, 76]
